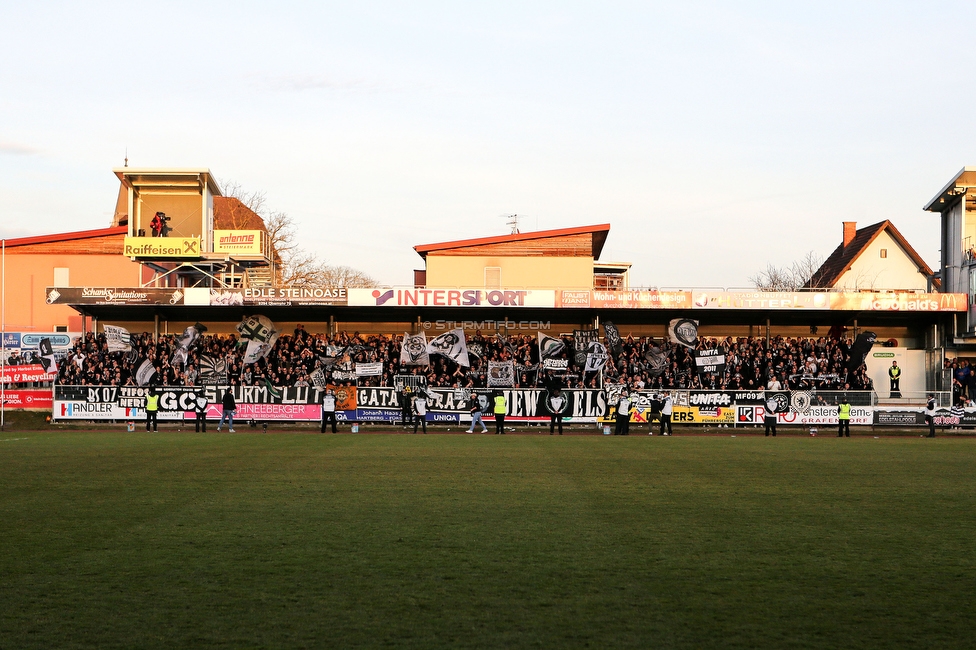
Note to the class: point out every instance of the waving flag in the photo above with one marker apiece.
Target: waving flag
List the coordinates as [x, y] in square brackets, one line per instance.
[451, 345]
[549, 347]
[413, 352]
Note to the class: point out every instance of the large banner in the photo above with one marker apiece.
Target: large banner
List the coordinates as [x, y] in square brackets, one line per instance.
[260, 403]
[453, 405]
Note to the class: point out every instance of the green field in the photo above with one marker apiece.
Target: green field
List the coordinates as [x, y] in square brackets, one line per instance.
[296, 540]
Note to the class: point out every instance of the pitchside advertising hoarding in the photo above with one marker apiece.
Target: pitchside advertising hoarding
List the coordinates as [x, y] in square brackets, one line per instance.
[453, 406]
[39, 399]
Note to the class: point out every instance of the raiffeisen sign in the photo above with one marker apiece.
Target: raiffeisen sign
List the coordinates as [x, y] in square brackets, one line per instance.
[162, 247]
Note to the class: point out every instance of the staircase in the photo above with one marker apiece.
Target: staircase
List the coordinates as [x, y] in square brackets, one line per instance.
[259, 277]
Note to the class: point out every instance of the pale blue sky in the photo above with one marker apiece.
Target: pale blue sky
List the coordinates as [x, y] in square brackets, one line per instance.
[714, 137]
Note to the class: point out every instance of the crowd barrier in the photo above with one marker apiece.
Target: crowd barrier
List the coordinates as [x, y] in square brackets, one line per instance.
[453, 406]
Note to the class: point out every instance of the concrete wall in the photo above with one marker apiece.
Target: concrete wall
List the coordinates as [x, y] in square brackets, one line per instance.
[911, 362]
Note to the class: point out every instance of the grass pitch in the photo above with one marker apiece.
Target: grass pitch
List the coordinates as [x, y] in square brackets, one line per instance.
[186, 540]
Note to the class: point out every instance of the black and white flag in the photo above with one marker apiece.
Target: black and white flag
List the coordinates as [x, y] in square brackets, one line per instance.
[48, 360]
[318, 378]
[657, 361]
[501, 374]
[191, 335]
[508, 347]
[117, 338]
[859, 351]
[413, 352]
[712, 361]
[451, 345]
[549, 347]
[596, 357]
[683, 331]
[213, 370]
[612, 337]
[145, 373]
[259, 334]
[581, 342]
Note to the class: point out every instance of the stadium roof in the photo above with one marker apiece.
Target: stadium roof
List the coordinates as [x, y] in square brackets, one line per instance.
[965, 178]
[599, 237]
[168, 178]
[66, 236]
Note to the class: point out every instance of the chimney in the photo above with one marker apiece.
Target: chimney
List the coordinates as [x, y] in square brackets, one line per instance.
[850, 229]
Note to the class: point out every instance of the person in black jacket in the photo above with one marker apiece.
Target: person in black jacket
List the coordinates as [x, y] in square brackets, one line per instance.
[556, 402]
[230, 407]
[329, 410]
[200, 409]
[930, 415]
[406, 407]
[622, 427]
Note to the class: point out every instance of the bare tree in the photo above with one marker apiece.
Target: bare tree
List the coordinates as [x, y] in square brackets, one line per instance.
[792, 278]
[346, 276]
[253, 200]
[293, 266]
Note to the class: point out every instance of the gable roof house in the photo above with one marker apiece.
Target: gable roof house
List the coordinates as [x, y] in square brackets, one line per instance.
[876, 257]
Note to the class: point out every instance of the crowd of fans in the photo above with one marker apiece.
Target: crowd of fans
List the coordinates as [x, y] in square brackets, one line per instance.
[303, 358]
[963, 380]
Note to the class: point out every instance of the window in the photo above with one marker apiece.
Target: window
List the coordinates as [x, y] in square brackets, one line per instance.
[493, 277]
[61, 277]
[884, 253]
[60, 328]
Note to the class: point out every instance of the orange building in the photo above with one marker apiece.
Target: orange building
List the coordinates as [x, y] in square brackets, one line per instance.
[83, 258]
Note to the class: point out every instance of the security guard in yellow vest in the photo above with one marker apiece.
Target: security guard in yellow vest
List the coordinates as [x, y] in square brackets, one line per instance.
[152, 407]
[894, 376]
[500, 409]
[844, 418]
